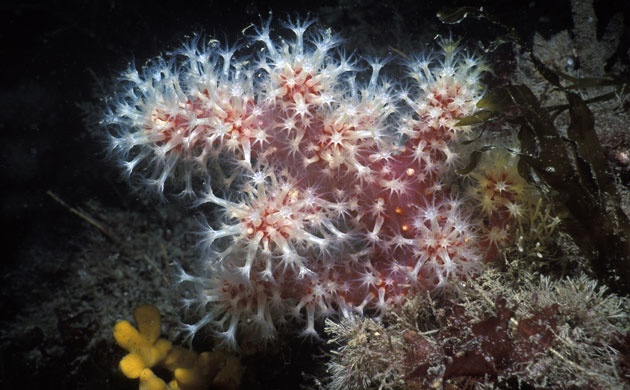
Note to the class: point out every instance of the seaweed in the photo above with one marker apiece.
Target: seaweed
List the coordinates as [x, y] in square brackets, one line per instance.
[576, 171]
[572, 169]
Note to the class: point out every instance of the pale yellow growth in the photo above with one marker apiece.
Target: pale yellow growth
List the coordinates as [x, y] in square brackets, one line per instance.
[499, 187]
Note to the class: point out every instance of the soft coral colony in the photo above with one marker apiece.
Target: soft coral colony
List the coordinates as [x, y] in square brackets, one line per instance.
[331, 181]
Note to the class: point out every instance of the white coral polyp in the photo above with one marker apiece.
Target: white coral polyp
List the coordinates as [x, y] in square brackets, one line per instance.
[445, 243]
[277, 223]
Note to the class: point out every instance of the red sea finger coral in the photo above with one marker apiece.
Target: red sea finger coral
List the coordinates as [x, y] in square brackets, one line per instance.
[330, 183]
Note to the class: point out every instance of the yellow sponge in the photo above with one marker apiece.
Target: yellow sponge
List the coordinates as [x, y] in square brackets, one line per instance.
[149, 381]
[191, 371]
[197, 376]
[144, 347]
[148, 320]
[132, 365]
